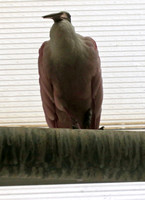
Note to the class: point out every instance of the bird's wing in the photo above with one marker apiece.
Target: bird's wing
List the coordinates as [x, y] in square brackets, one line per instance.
[46, 88]
[97, 90]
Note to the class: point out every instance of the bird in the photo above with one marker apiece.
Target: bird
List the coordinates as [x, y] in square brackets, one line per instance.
[70, 77]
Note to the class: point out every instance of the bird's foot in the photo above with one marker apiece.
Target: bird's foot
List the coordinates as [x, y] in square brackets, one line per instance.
[75, 124]
[102, 128]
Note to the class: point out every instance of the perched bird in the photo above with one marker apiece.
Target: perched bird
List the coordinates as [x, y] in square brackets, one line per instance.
[70, 77]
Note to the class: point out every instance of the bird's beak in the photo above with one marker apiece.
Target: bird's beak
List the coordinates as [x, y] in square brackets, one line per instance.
[56, 17]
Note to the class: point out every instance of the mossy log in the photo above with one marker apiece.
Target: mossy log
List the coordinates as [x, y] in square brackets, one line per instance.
[45, 156]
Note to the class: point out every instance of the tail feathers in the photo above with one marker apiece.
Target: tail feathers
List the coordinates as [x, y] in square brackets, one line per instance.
[87, 119]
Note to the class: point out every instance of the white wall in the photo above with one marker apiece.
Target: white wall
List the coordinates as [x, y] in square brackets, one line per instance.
[99, 191]
[117, 26]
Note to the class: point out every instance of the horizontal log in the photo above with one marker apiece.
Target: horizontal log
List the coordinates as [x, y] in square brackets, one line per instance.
[45, 156]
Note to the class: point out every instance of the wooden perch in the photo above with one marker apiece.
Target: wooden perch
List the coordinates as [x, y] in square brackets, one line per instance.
[44, 156]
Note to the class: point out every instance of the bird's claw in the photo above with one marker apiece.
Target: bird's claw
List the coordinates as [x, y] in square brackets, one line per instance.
[102, 128]
[75, 124]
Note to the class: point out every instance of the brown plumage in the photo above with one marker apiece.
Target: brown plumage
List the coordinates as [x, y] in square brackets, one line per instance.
[70, 77]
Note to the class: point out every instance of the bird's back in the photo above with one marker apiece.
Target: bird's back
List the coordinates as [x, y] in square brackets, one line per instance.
[70, 77]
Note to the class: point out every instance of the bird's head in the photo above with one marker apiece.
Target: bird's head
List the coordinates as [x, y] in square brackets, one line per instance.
[57, 17]
[62, 29]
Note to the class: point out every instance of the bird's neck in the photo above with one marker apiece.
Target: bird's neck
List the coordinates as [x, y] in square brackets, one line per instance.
[64, 42]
